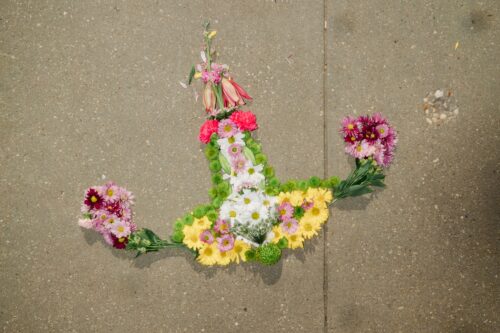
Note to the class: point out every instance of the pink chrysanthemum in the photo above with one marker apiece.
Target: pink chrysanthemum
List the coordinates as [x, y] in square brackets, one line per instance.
[290, 226]
[221, 226]
[382, 130]
[239, 164]
[207, 237]
[234, 150]
[285, 211]
[227, 128]
[110, 192]
[360, 150]
[120, 229]
[307, 205]
[225, 243]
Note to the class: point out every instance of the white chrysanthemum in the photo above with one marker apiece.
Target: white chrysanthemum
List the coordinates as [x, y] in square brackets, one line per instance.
[224, 143]
[229, 211]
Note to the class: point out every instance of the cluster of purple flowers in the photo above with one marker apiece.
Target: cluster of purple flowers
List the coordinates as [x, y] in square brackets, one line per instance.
[369, 136]
[108, 210]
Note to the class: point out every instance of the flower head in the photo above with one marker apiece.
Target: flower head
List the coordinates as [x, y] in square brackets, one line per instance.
[221, 226]
[289, 226]
[234, 150]
[227, 128]
[285, 211]
[207, 129]
[245, 120]
[120, 229]
[207, 237]
[93, 199]
[225, 242]
[209, 98]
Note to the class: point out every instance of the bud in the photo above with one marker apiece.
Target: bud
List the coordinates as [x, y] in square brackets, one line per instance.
[212, 34]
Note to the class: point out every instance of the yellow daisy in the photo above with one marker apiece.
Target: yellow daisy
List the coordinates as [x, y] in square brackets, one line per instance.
[209, 254]
[296, 198]
[308, 228]
[202, 224]
[284, 197]
[317, 214]
[295, 240]
[239, 249]
[192, 237]
[322, 196]
[224, 258]
[278, 234]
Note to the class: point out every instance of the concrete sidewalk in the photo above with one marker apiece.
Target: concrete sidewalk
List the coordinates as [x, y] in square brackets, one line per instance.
[90, 92]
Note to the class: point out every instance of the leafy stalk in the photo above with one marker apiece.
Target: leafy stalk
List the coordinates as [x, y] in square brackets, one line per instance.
[145, 240]
[360, 181]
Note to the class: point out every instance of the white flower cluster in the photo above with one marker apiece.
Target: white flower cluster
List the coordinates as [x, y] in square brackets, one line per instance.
[248, 209]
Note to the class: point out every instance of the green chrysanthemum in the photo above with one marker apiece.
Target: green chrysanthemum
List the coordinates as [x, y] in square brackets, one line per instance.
[269, 254]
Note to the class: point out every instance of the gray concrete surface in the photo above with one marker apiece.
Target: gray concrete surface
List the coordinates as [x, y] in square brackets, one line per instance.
[90, 90]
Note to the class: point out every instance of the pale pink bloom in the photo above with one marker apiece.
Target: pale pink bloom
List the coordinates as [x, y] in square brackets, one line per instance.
[221, 226]
[225, 242]
[285, 211]
[239, 164]
[207, 237]
[227, 128]
[289, 226]
[234, 150]
[120, 229]
[85, 223]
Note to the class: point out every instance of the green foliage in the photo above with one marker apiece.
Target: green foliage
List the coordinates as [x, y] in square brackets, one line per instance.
[224, 164]
[360, 181]
[269, 254]
[217, 202]
[191, 75]
[212, 193]
[145, 240]
[302, 185]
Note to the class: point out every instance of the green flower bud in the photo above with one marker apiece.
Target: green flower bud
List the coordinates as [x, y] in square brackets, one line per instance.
[212, 193]
[142, 250]
[260, 159]
[199, 212]
[211, 153]
[273, 182]
[269, 254]
[314, 181]
[217, 178]
[282, 243]
[215, 166]
[298, 212]
[302, 185]
[269, 172]
[177, 237]
[188, 219]
[212, 215]
[179, 224]
[217, 202]
[251, 255]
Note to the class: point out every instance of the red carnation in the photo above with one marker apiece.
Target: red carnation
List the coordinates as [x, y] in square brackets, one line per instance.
[207, 129]
[245, 120]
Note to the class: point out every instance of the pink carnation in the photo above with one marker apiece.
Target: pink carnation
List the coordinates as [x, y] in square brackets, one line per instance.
[245, 120]
[207, 129]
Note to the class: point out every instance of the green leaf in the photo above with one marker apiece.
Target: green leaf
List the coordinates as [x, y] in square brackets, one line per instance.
[249, 155]
[225, 164]
[191, 75]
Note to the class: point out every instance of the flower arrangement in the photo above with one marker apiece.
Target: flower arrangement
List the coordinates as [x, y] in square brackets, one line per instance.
[252, 215]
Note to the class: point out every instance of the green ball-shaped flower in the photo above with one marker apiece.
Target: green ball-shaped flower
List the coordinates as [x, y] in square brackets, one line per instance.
[177, 236]
[269, 254]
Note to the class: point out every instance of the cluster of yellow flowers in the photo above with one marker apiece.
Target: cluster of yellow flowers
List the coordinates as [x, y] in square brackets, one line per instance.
[208, 252]
[199, 235]
[312, 220]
